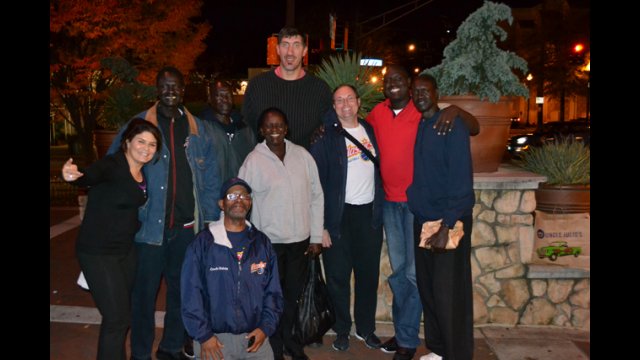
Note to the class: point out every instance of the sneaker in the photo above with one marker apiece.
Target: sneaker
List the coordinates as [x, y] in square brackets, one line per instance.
[431, 356]
[371, 340]
[187, 350]
[404, 353]
[341, 343]
[390, 346]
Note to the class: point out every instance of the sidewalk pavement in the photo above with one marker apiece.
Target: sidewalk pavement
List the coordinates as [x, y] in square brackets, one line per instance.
[74, 320]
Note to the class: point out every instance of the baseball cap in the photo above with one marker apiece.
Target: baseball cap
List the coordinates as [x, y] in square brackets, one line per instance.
[232, 182]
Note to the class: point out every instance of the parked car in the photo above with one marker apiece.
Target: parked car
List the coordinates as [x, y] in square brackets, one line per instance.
[578, 130]
[558, 248]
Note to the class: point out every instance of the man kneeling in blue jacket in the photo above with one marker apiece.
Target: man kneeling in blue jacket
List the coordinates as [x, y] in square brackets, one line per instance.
[231, 295]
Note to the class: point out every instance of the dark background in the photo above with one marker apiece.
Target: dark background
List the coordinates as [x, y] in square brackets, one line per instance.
[240, 28]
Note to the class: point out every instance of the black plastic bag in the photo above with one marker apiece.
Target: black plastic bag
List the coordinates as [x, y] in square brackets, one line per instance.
[315, 314]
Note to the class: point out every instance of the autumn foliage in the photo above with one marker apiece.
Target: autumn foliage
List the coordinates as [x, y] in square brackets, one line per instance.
[149, 34]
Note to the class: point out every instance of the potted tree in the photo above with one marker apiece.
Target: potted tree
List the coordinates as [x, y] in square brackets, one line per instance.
[567, 165]
[478, 76]
[125, 97]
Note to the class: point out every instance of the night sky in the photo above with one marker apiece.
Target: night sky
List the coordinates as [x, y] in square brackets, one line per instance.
[240, 28]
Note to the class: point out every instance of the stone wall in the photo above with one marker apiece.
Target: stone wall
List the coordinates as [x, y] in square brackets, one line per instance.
[506, 288]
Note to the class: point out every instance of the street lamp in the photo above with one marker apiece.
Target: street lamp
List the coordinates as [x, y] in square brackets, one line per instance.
[529, 78]
[587, 69]
[412, 47]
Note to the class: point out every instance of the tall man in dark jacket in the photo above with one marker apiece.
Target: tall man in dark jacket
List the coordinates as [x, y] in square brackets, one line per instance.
[230, 285]
[442, 189]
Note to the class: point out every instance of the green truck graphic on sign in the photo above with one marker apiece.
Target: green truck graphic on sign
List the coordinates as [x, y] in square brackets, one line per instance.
[557, 248]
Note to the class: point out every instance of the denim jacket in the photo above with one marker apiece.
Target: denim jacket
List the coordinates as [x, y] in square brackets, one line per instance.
[330, 153]
[206, 179]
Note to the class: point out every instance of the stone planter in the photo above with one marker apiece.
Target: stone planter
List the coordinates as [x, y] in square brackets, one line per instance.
[488, 147]
[564, 199]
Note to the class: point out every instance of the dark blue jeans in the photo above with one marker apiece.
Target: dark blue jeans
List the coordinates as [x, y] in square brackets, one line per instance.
[406, 308]
[154, 262]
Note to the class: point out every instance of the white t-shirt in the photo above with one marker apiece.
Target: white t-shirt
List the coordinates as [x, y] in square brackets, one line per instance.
[360, 171]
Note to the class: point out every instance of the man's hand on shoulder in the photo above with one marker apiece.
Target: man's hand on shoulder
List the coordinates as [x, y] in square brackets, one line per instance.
[444, 124]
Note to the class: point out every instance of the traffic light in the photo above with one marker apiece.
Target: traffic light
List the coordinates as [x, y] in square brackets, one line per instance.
[577, 54]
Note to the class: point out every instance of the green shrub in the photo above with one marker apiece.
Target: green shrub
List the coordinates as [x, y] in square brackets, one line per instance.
[563, 162]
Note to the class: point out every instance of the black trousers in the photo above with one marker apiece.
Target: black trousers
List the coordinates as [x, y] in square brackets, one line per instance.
[292, 268]
[356, 250]
[444, 284]
[110, 279]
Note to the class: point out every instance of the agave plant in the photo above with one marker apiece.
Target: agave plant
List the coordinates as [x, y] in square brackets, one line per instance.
[564, 162]
[345, 69]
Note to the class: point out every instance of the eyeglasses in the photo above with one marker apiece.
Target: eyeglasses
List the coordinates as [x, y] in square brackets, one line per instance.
[234, 196]
[350, 100]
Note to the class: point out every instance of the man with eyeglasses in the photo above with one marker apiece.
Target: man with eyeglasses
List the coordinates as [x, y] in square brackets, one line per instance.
[231, 294]
[352, 236]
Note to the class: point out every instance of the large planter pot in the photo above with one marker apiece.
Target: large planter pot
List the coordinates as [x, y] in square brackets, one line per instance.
[102, 140]
[488, 147]
[564, 199]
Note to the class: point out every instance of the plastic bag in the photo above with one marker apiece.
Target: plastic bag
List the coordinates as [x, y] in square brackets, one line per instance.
[315, 314]
[82, 282]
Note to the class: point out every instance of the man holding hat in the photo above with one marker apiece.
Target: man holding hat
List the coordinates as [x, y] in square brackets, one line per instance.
[231, 295]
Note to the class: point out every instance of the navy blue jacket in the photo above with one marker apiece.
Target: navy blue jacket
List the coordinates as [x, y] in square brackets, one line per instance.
[330, 153]
[223, 295]
[442, 186]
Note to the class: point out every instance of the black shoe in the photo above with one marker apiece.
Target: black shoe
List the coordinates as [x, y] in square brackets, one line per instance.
[296, 355]
[187, 350]
[316, 344]
[341, 343]
[404, 353]
[165, 355]
[390, 346]
[371, 340]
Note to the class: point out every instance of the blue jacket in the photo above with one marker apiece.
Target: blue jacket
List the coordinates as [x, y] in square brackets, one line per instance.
[442, 186]
[330, 153]
[206, 179]
[223, 295]
[231, 150]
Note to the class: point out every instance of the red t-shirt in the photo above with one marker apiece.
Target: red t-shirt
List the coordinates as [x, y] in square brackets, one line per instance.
[396, 136]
